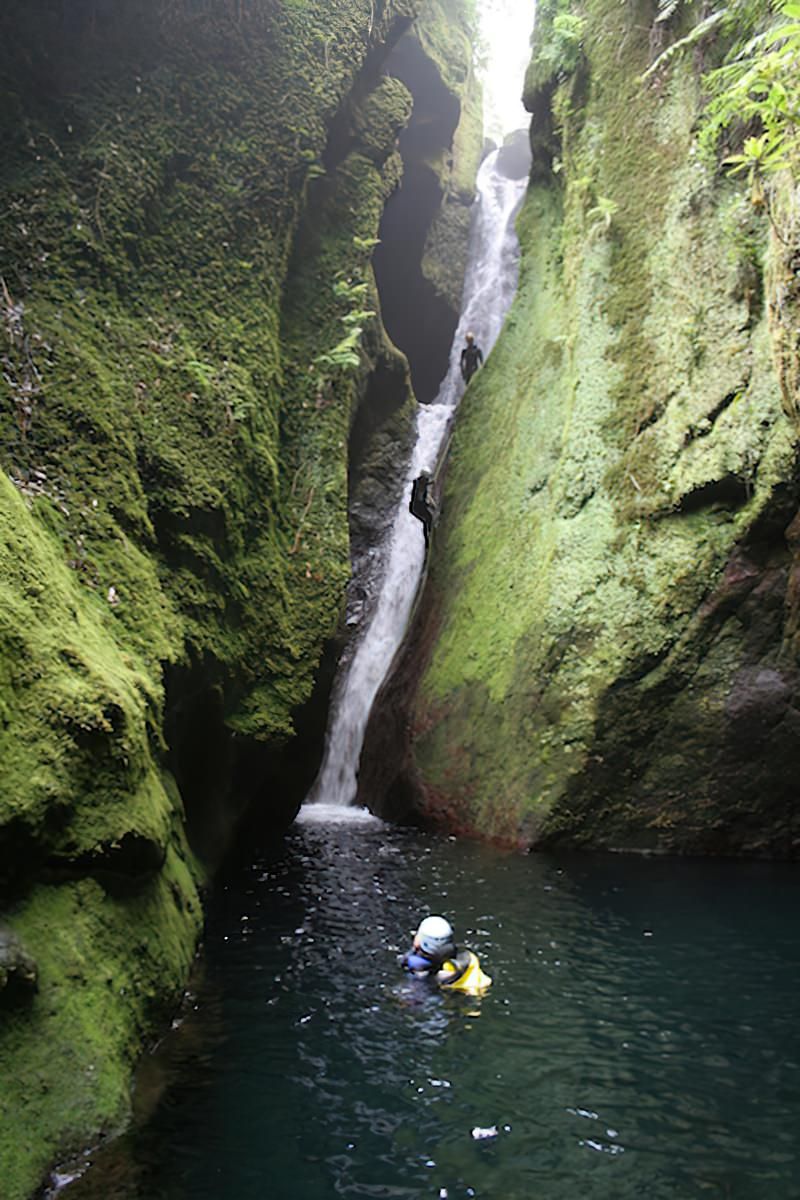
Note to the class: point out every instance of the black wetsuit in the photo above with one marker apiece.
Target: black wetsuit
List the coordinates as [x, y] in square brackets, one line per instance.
[420, 505]
[471, 359]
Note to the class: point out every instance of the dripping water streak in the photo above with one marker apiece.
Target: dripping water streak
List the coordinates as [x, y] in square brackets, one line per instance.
[488, 290]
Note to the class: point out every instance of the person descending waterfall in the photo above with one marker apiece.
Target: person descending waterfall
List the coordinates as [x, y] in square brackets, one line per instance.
[391, 576]
[471, 358]
[422, 504]
[434, 955]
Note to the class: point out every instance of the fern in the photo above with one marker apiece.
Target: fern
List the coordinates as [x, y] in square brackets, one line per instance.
[666, 9]
[358, 315]
[344, 354]
[700, 31]
[761, 84]
[365, 243]
[344, 289]
[603, 211]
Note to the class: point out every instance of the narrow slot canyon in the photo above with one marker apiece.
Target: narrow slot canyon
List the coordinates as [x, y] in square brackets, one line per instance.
[418, 318]
[360, 846]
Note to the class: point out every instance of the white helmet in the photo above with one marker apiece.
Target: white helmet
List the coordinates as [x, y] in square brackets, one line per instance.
[434, 935]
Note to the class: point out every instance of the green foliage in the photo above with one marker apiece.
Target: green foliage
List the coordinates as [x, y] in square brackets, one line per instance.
[178, 494]
[700, 31]
[760, 85]
[603, 211]
[760, 156]
[667, 9]
[346, 289]
[344, 354]
[567, 39]
[366, 243]
[557, 41]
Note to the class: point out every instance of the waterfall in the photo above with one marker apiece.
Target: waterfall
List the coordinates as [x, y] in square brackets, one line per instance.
[489, 287]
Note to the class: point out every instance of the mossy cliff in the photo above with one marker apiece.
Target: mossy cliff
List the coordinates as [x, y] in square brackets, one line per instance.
[455, 163]
[606, 649]
[424, 233]
[421, 257]
[191, 193]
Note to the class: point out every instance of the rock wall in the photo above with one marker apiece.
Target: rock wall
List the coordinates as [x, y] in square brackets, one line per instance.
[421, 260]
[191, 196]
[605, 653]
[419, 265]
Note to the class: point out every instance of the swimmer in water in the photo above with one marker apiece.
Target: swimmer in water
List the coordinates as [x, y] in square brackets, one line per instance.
[434, 955]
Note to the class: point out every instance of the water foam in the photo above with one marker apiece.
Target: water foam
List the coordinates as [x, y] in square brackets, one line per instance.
[488, 291]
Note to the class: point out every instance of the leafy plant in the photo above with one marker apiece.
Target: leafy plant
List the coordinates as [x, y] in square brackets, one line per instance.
[761, 84]
[666, 9]
[344, 354]
[603, 211]
[760, 157]
[557, 41]
[365, 243]
[568, 30]
[755, 95]
[345, 289]
[700, 31]
[202, 373]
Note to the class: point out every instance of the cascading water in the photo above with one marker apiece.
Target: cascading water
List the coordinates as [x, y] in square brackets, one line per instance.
[489, 287]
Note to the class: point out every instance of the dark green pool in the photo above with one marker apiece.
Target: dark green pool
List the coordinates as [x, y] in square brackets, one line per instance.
[640, 1039]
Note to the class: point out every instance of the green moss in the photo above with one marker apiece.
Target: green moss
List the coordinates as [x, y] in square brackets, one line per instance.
[446, 34]
[107, 977]
[380, 117]
[558, 42]
[67, 687]
[79, 746]
[170, 418]
[179, 471]
[625, 437]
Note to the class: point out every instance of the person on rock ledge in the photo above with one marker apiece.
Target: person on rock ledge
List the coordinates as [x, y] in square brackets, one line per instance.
[434, 955]
[471, 358]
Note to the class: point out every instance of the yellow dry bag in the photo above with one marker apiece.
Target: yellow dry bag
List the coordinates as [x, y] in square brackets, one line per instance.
[470, 978]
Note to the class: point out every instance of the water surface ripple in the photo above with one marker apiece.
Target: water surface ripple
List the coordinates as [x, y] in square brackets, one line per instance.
[640, 1039]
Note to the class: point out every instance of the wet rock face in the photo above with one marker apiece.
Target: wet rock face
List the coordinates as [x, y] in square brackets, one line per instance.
[701, 749]
[131, 858]
[389, 782]
[420, 261]
[608, 653]
[760, 699]
[19, 974]
[514, 158]
[419, 269]
[181, 288]
[380, 443]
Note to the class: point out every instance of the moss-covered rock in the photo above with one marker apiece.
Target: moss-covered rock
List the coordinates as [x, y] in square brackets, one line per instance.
[19, 972]
[604, 629]
[191, 194]
[449, 46]
[425, 229]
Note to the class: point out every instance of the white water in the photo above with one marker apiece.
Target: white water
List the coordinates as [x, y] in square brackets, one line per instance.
[489, 286]
[488, 290]
[323, 813]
